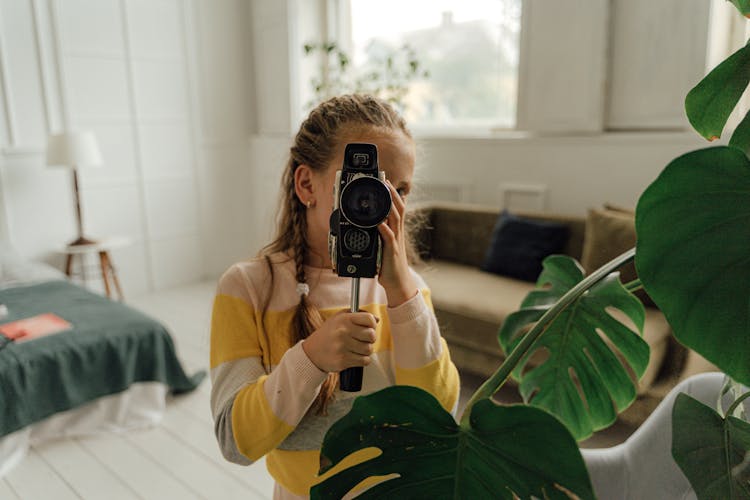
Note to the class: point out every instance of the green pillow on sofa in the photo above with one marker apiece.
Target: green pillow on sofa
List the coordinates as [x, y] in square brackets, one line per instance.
[518, 246]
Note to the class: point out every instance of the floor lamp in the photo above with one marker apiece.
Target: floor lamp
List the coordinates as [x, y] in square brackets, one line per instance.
[74, 150]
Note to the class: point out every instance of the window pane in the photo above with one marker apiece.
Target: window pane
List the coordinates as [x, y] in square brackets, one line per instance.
[469, 49]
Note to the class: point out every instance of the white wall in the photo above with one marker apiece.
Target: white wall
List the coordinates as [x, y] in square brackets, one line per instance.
[166, 86]
[227, 95]
[562, 174]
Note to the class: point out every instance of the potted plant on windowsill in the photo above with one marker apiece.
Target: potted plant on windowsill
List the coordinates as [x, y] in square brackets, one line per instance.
[693, 259]
[386, 77]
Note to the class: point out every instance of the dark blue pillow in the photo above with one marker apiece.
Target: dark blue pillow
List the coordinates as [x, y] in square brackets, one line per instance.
[518, 246]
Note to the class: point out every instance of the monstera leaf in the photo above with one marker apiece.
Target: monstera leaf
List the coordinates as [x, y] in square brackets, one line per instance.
[693, 253]
[582, 381]
[505, 452]
[709, 449]
[741, 136]
[709, 104]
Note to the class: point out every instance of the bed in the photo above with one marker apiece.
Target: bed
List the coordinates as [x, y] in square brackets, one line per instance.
[110, 372]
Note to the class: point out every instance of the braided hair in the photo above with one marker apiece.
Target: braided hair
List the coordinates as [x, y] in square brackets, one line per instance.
[315, 145]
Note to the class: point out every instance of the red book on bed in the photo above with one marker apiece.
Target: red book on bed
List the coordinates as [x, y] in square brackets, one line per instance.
[36, 326]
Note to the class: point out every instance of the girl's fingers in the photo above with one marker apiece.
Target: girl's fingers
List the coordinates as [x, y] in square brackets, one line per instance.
[364, 319]
[394, 220]
[357, 360]
[387, 233]
[398, 207]
[397, 200]
[360, 348]
[366, 335]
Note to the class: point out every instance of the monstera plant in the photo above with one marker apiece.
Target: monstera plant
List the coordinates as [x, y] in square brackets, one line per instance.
[693, 259]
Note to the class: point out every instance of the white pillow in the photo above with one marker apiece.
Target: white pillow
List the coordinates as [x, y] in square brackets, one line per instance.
[15, 270]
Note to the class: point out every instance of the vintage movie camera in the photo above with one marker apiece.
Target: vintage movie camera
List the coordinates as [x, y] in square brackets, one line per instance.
[361, 202]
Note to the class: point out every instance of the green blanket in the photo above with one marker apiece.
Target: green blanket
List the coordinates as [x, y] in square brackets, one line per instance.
[110, 347]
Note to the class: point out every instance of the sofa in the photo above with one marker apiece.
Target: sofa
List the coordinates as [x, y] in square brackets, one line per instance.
[471, 304]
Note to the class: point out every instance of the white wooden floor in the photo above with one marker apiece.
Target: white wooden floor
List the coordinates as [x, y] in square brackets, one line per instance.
[179, 459]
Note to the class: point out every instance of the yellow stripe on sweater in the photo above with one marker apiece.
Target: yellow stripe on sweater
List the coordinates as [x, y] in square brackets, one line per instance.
[255, 426]
[234, 318]
[439, 378]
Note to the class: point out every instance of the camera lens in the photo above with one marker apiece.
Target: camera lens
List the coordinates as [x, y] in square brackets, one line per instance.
[365, 201]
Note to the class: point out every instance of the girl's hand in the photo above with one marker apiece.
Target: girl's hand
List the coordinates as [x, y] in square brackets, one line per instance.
[395, 275]
[344, 340]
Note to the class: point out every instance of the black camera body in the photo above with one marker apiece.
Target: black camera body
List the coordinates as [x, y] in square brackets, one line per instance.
[361, 202]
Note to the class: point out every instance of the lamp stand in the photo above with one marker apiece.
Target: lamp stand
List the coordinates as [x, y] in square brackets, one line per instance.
[82, 240]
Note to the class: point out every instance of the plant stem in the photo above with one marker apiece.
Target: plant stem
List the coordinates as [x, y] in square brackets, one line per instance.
[737, 402]
[496, 381]
[633, 286]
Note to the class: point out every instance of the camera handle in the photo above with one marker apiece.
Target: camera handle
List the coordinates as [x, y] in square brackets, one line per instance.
[350, 380]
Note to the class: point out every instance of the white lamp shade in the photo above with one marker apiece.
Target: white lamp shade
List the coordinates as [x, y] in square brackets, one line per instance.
[73, 149]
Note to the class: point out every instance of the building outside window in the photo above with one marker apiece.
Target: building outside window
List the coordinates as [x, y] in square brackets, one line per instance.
[469, 49]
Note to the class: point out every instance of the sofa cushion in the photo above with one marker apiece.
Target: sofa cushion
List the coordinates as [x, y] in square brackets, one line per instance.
[467, 291]
[459, 235]
[518, 246]
[610, 232]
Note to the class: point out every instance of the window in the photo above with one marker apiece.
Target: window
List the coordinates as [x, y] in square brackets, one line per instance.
[469, 49]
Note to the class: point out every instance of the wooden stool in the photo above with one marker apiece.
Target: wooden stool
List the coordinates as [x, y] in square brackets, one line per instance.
[106, 268]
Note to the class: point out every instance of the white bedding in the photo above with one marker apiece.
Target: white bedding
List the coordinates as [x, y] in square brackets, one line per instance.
[15, 270]
[141, 405]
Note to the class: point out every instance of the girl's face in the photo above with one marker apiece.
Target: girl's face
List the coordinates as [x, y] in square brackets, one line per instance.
[396, 157]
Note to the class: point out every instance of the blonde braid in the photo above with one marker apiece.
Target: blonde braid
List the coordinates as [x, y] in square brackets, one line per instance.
[307, 317]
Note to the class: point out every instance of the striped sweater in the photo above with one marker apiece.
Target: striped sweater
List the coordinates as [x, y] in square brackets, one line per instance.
[263, 386]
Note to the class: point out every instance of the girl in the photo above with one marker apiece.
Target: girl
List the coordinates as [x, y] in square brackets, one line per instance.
[281, 329]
